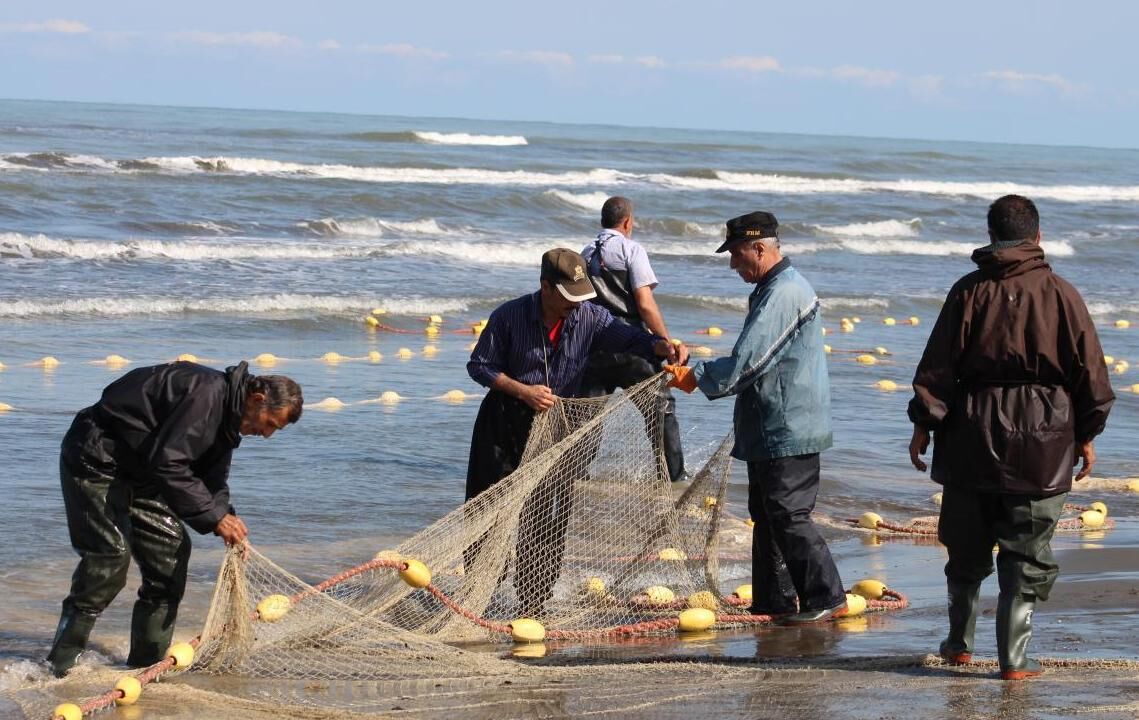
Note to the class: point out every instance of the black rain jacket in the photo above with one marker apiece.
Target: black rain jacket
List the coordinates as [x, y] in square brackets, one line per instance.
[172, 429]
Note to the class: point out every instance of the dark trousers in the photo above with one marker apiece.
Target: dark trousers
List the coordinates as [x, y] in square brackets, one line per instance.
[110, 520]
[499, 438]
[1021, 526]
[789, 558]
[608, 371]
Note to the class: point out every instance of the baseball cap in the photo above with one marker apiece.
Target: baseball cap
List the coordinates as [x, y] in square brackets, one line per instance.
[566, 270]
[753, 226]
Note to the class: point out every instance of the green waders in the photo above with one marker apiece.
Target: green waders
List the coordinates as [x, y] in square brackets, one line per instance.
[109, 520]
[1021, 526]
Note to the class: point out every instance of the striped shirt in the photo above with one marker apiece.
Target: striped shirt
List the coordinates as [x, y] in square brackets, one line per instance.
[515, 342]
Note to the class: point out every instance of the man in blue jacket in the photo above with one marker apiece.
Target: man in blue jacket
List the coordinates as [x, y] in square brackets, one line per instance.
[154, 452]
[778, 373]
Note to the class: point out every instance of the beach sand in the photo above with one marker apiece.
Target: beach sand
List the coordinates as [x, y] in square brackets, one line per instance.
[875, 666]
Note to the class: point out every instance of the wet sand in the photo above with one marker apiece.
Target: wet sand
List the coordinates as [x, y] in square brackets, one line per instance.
[870, 667]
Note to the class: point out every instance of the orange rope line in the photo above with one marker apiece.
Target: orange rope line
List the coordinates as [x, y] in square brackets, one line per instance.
[153, 672]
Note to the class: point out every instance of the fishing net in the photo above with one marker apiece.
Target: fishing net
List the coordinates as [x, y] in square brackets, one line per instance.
[586, 542]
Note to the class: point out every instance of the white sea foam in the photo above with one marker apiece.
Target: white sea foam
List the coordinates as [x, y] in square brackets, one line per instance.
[381, 174]
[830, 303]
[23, 673]
[30, 246]
[796, 185]
[373, 227]
[881, 228]
[252, 305]
[723, 180]
[1057, 248]
[438, 138]
[1113, 308]
[585, 201]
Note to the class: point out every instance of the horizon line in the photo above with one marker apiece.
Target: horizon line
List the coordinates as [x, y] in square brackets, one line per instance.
[570, 123]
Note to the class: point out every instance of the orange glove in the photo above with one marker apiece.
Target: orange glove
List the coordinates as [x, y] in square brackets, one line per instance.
[682, 377]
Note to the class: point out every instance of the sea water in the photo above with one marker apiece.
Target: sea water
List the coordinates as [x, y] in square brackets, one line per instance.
[149, 232]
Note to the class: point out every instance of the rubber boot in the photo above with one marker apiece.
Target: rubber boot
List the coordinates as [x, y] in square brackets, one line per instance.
[152, 628]
[70, 638]
[957, 649]
[1014, 630]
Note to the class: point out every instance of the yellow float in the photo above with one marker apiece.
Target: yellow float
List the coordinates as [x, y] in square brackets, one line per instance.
[869, 589]
[659, 595]
[415, 573]
[855, 605]
[182, 654]
[696, 619]
[527, 630]
[67, 711]
[129, 688]
[274, 607]
[1092, 519]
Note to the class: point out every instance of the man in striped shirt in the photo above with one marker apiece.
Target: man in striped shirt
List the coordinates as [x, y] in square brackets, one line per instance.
[534, 350]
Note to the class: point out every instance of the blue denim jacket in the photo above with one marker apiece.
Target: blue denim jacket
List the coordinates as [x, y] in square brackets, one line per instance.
[777, 371]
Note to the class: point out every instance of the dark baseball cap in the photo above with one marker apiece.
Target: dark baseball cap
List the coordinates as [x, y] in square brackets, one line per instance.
[566, 270]
[753, 226]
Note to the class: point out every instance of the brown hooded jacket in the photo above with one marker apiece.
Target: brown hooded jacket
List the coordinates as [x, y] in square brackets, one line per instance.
[1012, 377]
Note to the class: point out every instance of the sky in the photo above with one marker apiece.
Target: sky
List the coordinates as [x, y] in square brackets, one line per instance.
[1045, 72]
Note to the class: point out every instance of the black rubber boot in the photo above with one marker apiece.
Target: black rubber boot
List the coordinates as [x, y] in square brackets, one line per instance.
[152, 628]
[1014, 630]
[70, 638]
[963, 600]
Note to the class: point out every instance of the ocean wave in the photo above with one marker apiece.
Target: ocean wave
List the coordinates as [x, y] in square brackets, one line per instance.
[438, 138]
[676, 227]
[716, 302]
[881, 228]
[382, 174]
[251, 305]
[583, 201]
[57, 160]
[174, 227]
[797, 185]
[372, 227]
[1102, 307]
[1055, 248]
[42, 246]
[702, 180]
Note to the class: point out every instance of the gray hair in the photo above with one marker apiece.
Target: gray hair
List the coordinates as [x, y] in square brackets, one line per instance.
[279, 392]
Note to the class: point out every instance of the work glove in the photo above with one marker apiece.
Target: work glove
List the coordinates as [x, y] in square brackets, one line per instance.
[682, 377]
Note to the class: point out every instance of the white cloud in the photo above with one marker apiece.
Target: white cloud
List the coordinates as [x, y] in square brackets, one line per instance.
[405, 50]
[539, 57]
[328, 44]
[257, 39]
[751, 63]
[67, 27]
[865, 76]
[649, 61]
[1019, 82]
[606, 59]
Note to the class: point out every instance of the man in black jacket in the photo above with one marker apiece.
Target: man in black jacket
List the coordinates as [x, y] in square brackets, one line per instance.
[153, 452]
[1014, 385]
